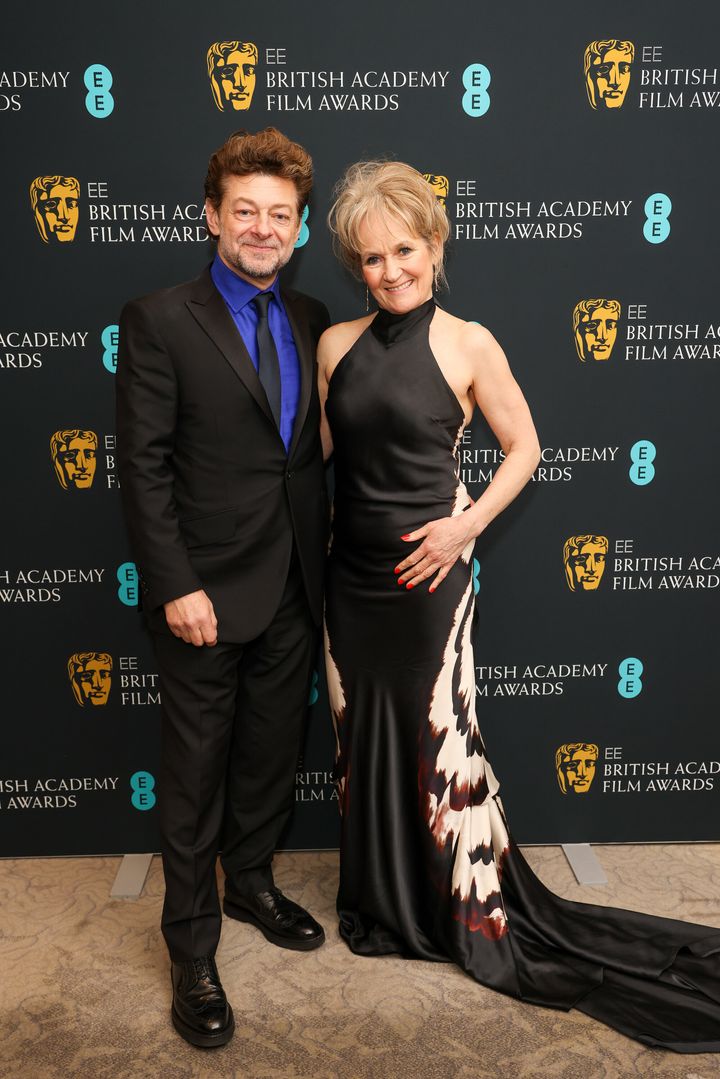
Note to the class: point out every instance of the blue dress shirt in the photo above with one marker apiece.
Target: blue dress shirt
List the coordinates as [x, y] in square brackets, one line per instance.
[238, 294]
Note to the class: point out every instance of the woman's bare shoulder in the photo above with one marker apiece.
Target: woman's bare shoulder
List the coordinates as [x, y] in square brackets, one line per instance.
[339, 339]
[469, 337]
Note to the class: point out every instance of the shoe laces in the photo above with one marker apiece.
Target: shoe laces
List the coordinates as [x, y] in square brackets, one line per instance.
[203, 968]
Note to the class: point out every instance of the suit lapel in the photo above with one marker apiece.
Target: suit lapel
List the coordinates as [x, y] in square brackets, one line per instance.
[306, 357]
[210, 310]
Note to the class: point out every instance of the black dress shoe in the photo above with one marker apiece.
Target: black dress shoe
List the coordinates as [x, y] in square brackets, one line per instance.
[280, 920]
[200, 1011]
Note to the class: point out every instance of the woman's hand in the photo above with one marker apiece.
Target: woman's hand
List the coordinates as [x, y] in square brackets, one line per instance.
[444, 541]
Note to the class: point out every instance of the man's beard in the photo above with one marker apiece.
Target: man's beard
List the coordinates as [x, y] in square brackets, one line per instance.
[247, 269]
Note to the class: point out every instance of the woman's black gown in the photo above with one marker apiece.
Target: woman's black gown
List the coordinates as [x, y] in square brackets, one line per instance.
[428, 868]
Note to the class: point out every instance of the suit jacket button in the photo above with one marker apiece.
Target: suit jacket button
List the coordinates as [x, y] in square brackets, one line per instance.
[289, 475]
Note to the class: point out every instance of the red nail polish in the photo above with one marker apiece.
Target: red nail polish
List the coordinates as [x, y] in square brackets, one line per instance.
[411, 584]
[396, 570]
[400, 580]
[405, 537]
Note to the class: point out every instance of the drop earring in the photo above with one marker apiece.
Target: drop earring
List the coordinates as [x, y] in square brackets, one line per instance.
[367, 299]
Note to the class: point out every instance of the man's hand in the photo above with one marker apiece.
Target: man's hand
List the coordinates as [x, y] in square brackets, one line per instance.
[192, 618]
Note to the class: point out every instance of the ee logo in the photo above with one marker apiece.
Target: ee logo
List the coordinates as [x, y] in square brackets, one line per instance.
[642, 469]
[142, 785]
[304, 230]
[657, 210]
[475, 576]
[127, 575]
[313, 690]
[109, 339]
[99, 102]
[630, 684]
[476, 99]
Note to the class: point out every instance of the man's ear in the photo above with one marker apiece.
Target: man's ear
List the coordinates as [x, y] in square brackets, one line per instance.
[213, 218]
[299, 226]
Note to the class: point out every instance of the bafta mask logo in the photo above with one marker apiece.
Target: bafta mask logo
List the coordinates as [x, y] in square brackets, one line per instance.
[584, 558]
[440, 185]
[54, 200]
[90, 675]
[231, 67]
[74, 457]
[595, 324]
[607, 72]
[575, 764]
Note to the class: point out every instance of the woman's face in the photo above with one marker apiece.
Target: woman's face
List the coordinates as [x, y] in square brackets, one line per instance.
[397, 266]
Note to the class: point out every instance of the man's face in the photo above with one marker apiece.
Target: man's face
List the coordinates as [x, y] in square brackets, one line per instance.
[597, 333]
[78, 459]
[234, 77]
[610, 75]
[588, 565]
[94, 680]
[58, 208]
[256, 225]
[579, 771]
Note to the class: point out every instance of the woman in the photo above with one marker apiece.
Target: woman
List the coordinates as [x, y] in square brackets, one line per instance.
[427, 866]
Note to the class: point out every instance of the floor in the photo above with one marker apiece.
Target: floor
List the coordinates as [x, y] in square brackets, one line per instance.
[85, 991]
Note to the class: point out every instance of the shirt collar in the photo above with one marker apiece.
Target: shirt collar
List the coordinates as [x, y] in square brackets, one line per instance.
[235, 291]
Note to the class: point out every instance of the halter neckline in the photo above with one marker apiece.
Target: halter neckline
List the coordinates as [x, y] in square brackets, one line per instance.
[389, 327]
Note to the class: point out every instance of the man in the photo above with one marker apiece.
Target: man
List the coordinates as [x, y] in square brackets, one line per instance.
[223, 485]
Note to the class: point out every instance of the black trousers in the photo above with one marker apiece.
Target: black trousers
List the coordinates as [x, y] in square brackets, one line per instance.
[232, 724]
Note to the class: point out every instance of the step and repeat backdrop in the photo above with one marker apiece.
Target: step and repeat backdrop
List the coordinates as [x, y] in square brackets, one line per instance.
[575, 148]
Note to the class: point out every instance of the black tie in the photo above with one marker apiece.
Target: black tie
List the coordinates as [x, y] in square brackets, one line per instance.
[268, 363]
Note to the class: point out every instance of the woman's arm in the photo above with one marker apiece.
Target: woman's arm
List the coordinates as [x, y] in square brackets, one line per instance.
[500, 399]
[332, 346]
[501, 402]
[323, 384]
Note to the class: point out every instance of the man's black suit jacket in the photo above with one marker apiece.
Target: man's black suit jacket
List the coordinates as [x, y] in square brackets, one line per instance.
[212, 500]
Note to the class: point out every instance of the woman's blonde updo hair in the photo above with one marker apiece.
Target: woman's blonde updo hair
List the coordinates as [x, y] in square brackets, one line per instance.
[388, 189]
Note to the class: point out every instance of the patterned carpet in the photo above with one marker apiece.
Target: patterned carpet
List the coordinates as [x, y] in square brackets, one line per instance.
[85, 989]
